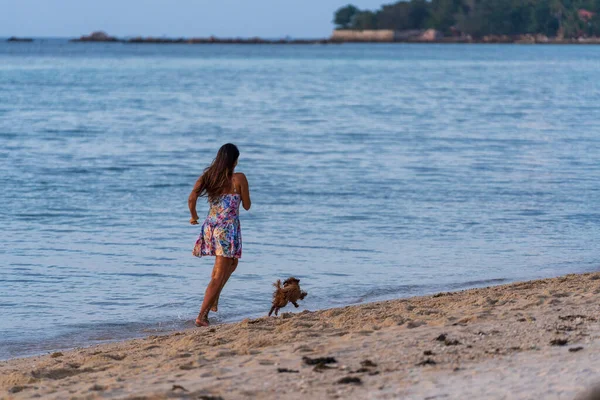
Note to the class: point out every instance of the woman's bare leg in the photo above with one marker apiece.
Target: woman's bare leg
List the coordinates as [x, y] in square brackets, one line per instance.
[221, 271]
[215, 306]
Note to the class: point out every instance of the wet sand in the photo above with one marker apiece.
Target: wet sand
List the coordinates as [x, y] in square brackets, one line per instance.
[529, 340]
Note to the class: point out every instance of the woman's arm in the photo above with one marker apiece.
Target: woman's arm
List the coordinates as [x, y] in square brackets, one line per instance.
[192, 200]
[244, 190]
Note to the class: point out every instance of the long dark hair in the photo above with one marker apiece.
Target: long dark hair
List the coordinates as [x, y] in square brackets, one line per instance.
[217, 177]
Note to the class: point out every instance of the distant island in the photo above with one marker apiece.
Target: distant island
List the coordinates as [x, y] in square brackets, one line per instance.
[17, 39]
[480, 21]
[438, 21]
[103, 37]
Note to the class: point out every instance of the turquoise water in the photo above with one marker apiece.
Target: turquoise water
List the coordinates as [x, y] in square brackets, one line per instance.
[376, 171]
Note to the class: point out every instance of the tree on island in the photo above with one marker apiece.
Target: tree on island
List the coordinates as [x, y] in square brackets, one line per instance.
[561, 18]
[344, 17]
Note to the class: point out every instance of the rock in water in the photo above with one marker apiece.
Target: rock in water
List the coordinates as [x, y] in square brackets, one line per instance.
[17, 39]
[97, 36]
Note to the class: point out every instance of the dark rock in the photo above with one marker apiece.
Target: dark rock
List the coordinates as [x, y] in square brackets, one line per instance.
[427, 361]
[350, 380]
[368, 364]
[451, 342]
[441, 338]
[559, 342]
[564, 328]
[322, 367]
[187, 367]
[572, 318]
[575, 349]
[116, 357]
[16, 389]
[179, 387]
[428, 353]
[415, 324]
[285, 370]
[319, 360]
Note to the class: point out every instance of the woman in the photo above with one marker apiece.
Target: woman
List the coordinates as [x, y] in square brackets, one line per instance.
[220, 235]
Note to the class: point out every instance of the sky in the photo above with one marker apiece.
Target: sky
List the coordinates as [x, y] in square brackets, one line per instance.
[173, 18]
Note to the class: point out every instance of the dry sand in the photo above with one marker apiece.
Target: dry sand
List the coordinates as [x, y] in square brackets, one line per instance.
[491, 343]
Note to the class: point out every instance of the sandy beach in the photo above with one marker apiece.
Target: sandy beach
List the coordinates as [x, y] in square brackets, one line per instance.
[529, 340]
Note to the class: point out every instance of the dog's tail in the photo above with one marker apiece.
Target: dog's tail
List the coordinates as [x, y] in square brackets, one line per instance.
[277, 287]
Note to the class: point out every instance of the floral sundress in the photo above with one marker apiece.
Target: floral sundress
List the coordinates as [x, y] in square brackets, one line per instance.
[221, 234]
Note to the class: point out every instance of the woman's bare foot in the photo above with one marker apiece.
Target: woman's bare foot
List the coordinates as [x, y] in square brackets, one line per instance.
[202, 321]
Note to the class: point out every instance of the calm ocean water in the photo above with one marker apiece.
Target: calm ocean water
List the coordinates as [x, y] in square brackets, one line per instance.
[376, 171]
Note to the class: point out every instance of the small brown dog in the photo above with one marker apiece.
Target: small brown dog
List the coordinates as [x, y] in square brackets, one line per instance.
[289, 292]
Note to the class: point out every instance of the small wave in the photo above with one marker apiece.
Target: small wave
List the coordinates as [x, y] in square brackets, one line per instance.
[482, 282]
[531, 213]
[114, 169]
[141, 274]
[106, 303]
[584, 217]
[167, 185]
[298, 246]
[78, 334]
[389, 292]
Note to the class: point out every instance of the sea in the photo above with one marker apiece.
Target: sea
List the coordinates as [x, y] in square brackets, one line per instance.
[377, 171]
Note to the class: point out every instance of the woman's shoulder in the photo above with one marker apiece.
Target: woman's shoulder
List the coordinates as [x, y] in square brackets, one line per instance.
[240, 176]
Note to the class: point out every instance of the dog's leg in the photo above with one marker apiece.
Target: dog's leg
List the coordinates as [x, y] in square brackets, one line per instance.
[276, 311]
[295, 304]
[271, 312]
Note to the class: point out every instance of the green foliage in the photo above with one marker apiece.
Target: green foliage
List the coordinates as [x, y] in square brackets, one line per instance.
[344, 17]
[479, 17]
[442, 14]
[395, 16]
[365, 20]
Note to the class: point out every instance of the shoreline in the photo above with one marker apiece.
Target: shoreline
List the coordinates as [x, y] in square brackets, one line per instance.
[303, 42]
[341, 37]
[335, 42]
[157, 328]
[542, 337]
